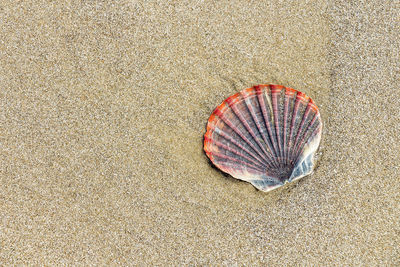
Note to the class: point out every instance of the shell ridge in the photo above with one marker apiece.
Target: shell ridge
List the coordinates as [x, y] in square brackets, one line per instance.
[275, 106]
[260, 164]
[266, 119]
[247, 126]
[292, 125]
[281, 116]
[268, 146]
[223, 156]
[305, 164]
[302, 130]
[232, 140]
[304, 140]
[285, 117]
[245, 174]
[258, 124]
[230, 125]
[271, 118]
[289, 102]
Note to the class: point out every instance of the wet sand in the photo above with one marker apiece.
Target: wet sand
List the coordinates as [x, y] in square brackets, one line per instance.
[102, 112]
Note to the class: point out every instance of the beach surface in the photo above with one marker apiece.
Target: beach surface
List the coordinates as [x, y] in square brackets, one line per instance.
[103, 108]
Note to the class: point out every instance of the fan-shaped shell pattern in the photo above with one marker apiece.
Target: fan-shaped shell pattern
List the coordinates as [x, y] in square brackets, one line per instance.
[266, 135]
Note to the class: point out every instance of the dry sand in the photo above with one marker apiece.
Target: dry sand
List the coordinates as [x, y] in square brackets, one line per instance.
[102, 111]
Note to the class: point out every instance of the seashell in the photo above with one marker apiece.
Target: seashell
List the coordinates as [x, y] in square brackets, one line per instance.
[266, 135]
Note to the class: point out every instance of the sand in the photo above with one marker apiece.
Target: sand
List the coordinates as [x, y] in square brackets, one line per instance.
[102, 111]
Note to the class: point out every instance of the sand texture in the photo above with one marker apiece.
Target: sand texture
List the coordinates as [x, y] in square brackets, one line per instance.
[103, 107]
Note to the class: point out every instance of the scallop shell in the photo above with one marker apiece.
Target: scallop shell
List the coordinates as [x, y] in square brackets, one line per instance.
[266, 135]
